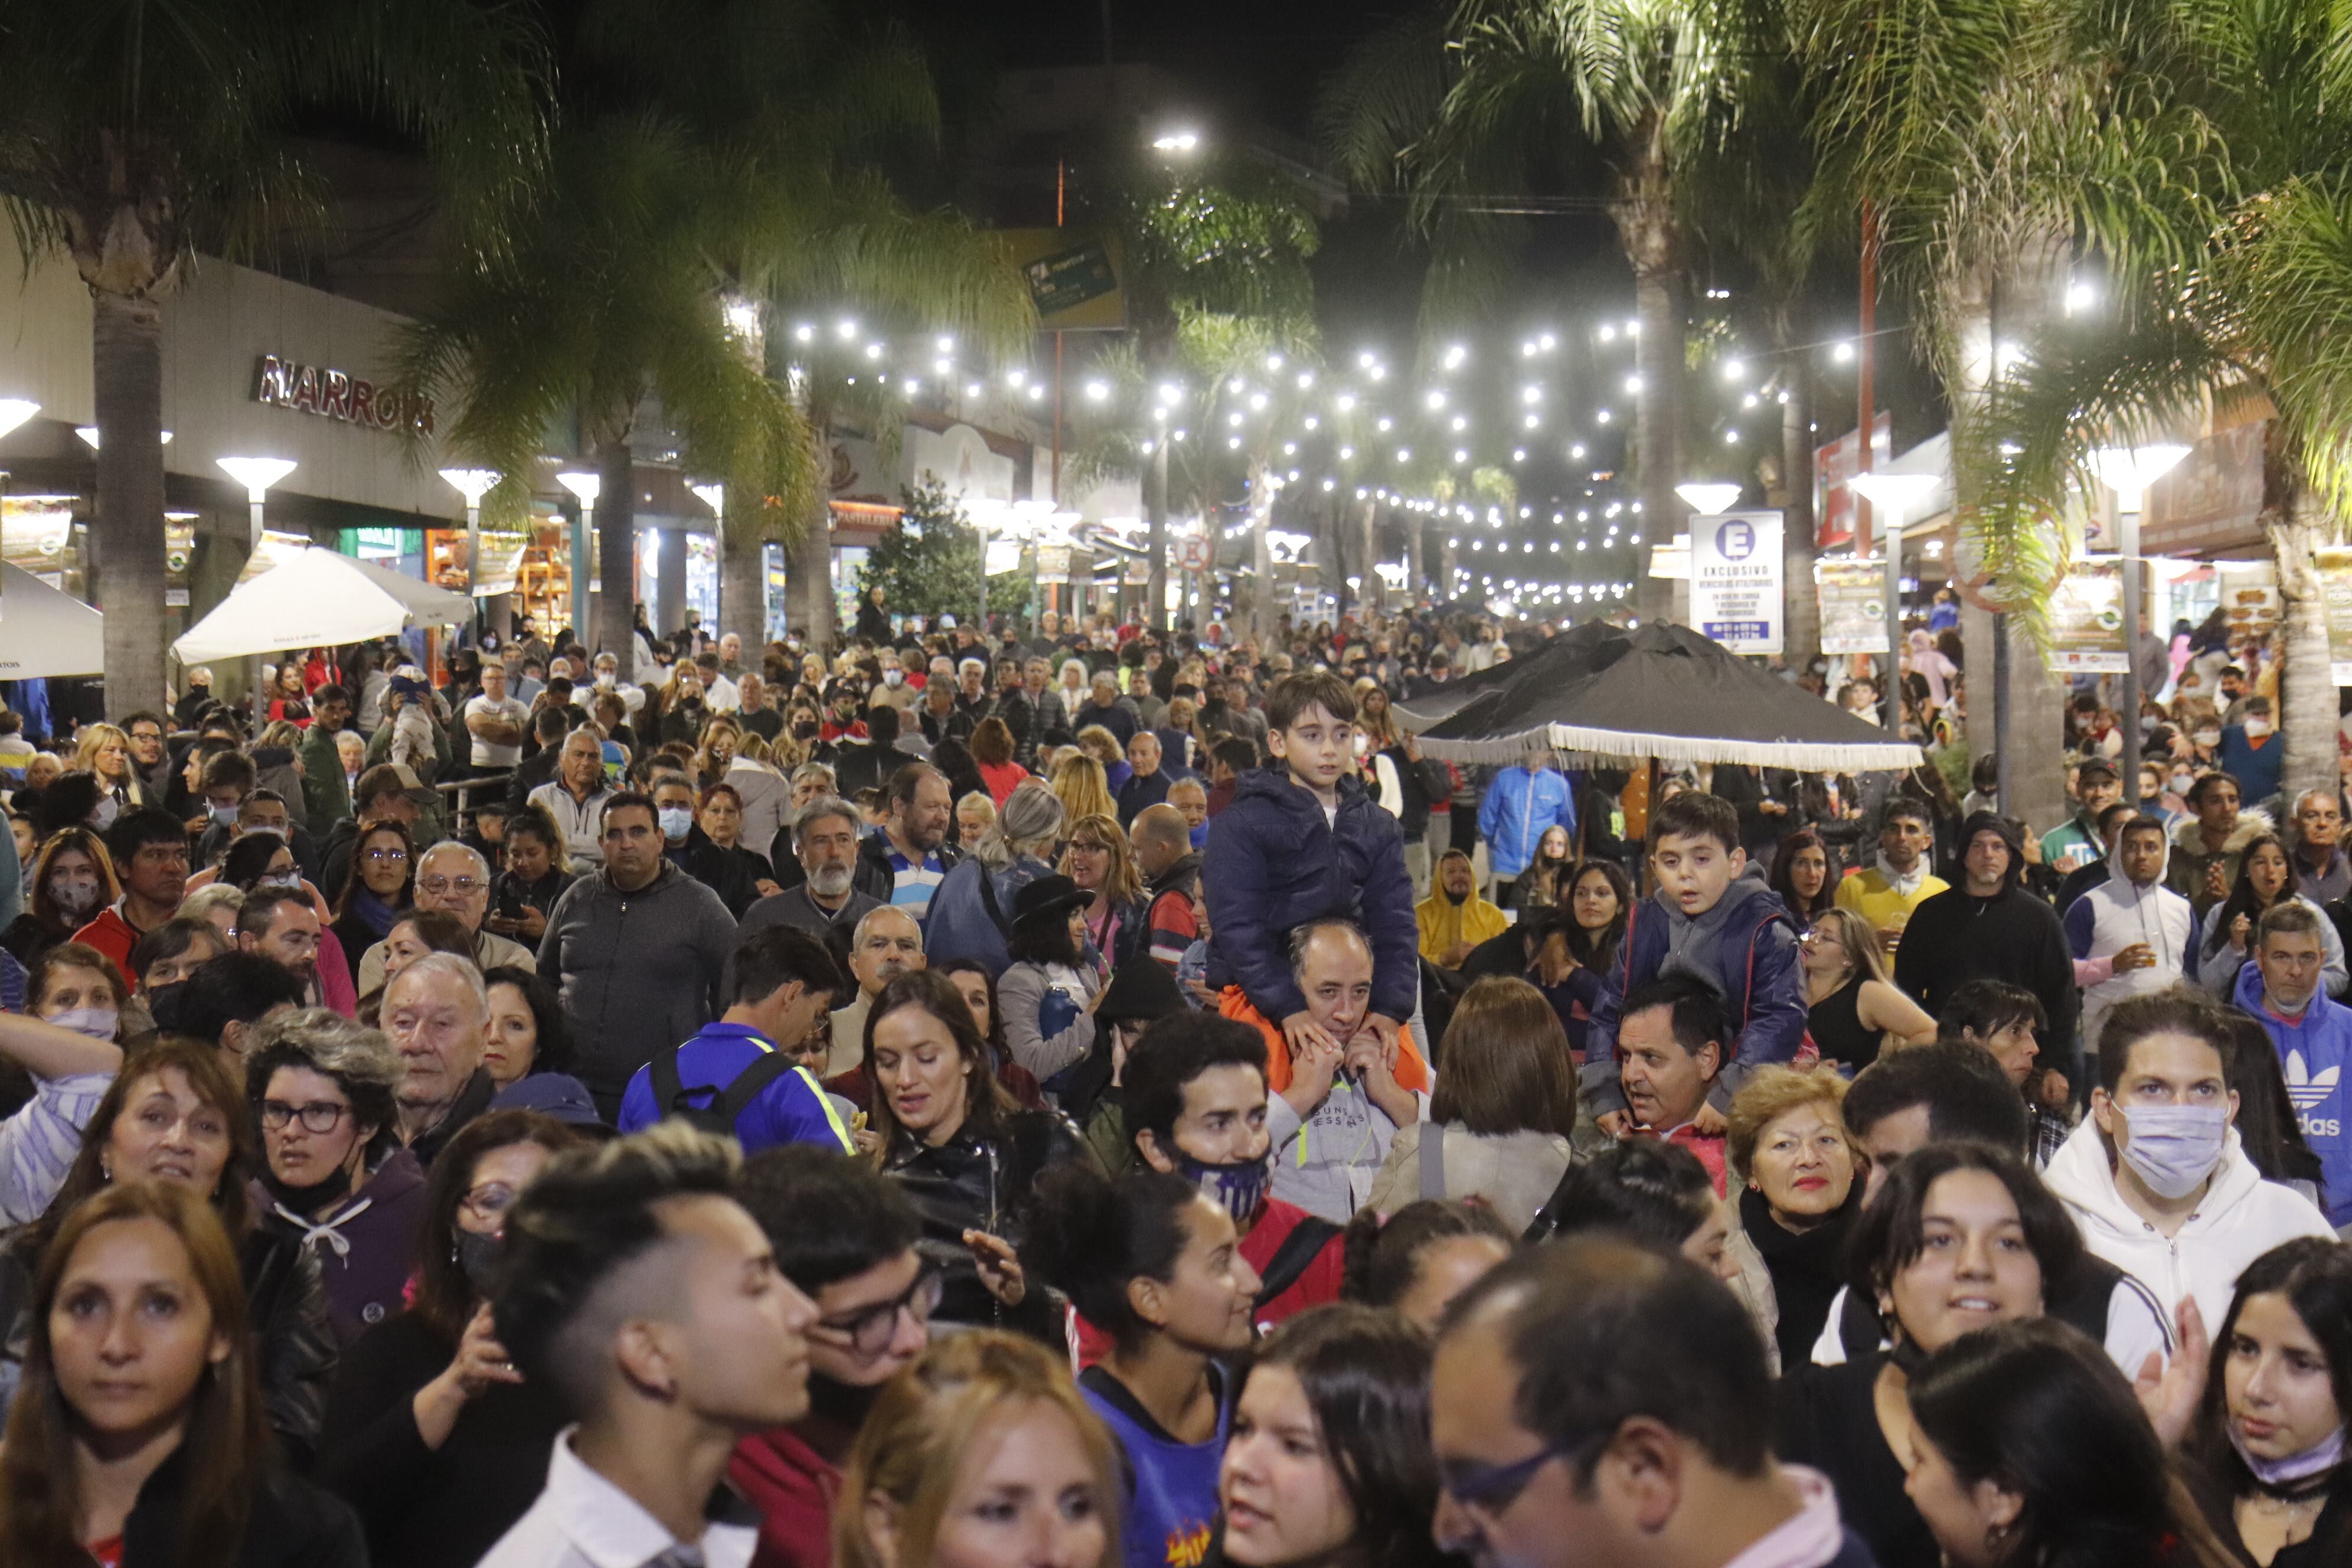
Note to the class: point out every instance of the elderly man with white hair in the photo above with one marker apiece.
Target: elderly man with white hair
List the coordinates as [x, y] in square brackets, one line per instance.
[436, 1012]
[454, 878]
[887, 942]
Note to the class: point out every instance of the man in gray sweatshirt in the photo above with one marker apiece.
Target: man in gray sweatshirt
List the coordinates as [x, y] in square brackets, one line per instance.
[638, 951]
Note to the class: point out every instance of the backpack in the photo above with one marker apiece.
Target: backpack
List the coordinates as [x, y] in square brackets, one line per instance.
[670, 1094]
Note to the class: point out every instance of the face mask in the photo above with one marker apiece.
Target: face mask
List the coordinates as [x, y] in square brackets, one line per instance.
[97, 1023]
[606, 680]
[2323, 1455]
[2257, 728]
[2181, 783]
[108, 809]
[2175, 1147]
[312, 1198]
[280, 879]
[226, 815]
[2209, 738]
[676, 821]
[1240, 1187]
[894, 678]
[76, 899]
[480, 1258]
[804, 729]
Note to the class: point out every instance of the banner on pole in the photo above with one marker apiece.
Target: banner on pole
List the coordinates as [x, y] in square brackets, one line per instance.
[1854, 604]
[2086, 619]
[1736, 586]
[2336, 596]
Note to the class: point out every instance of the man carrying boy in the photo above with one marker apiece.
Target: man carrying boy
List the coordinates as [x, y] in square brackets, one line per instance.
[1732, 934]
[1302, 841]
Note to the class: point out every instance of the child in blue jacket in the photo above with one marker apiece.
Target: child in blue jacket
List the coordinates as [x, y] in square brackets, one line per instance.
[1706, 921]
[1304, 839]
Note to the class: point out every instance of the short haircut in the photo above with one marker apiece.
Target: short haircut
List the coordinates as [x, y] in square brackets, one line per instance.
[1600, 1330]
[381, 780]
[2139, 823]
[1770, 1094]
[360, 1061]
[1986, 1007]
[866, 921]
[2205, 785]
[621, 799]
[1293, 695]
[1694, 814]
[823, 805]
[882, 724]
[590, 1215]
[1903, 809]
[550, 725]
[907, 780]
[1170, 1054]
[829, 1218]
[1698, 1011]
[462, 971]
[145, 826]
[173, 939]
[1238, 752]
[229, 769]
[1968, 1098]
[2175, 1011]
[233, 988]
[2288, 915]
[2107, 819]
[773, 956]
[259, 910]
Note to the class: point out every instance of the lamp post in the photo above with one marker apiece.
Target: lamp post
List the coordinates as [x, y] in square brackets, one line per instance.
[2128, 472]
[473, 484]
[714, 496]
[1895, 495]
[584, 488]
[256, 475]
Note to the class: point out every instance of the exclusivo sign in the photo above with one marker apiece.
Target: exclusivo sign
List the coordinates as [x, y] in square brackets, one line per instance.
[333, 395]
[1736, 580]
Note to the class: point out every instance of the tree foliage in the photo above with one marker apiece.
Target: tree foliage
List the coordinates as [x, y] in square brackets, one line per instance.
[930, 564]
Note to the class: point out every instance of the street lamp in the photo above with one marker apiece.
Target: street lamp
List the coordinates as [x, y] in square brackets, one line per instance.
[2129, 471]
[1708, 499]
[256, 475]
[714, 496]
[584, 488]
[1895, 495]
[1177, 142]
[89, 433]
[473, 484]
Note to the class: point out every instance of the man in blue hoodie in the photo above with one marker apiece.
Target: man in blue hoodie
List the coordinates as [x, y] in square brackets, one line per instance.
[1707, 921]
[2313, 1034]
[1521, 805]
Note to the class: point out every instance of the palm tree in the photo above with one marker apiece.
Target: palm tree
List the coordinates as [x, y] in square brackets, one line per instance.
[133, 135]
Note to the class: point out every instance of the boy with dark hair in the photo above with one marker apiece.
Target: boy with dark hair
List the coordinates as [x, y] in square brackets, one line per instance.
[2006, 1021]
[150, 850]
[1728, 932]
[1304, 840]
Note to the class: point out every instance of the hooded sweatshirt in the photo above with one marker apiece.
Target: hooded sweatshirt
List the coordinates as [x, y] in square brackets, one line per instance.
[2241, 1218]
[2113, 916]
[2314, 1049]
[1956, 937]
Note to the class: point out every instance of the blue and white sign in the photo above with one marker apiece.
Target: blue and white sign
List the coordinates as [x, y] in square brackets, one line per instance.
[1737, 581]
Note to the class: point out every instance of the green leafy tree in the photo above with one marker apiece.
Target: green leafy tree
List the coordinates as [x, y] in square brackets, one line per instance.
[930, 564]
[135, 134]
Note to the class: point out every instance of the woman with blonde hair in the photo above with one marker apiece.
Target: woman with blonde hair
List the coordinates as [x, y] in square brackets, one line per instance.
[716, 747]
[1099, 861]
[980, 1452]
[1851, 999]
[1078, 783]
[105, 751]
[1788, 1143]
[1097, 742]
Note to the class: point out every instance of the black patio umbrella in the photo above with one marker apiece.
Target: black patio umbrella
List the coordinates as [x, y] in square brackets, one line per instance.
[1662, 691]
[1558, 659]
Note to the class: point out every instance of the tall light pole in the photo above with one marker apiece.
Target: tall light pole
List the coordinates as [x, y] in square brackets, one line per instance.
[473, 484]
[584, 488]
[2128, 472]
[1895, 495]
[256, 475]
[714, 496]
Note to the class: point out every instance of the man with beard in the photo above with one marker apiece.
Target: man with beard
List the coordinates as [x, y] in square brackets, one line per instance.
[1453, 918]
[827, 900]
[844, 1237]
[281, 925]
[903, 865]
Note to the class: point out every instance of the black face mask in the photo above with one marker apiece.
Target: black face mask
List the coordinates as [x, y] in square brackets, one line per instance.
[480, 1258]
[845, 1404]
[309, 1200]
[805, 729]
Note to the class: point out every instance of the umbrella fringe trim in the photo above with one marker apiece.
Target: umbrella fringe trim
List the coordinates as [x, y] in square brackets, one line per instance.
[1628, 746]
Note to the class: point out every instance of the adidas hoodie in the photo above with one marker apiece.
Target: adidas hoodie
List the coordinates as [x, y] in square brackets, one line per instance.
[2313, 1050]
[2242, 1217]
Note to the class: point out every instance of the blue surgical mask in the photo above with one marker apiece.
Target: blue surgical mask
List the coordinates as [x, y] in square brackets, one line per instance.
[226, 815]
[676, 821]
[97, 1023]
[1239, 1187]
[102, 817]
[2321, 1456]
[2174, 1147]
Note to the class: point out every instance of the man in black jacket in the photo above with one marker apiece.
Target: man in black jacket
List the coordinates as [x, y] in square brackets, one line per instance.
[904, 863]
[1990, 928]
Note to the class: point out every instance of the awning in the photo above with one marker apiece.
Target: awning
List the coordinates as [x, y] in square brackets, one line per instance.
[311, 598]
[44, 630]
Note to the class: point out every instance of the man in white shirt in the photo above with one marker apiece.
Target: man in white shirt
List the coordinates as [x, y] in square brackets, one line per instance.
[496, 721]
[641, 1295]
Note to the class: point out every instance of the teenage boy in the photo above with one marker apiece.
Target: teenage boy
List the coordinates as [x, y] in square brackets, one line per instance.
[1304, 840]
[1193, 1102]
[1731, 933]
[2006, 1022]
[2130, 936]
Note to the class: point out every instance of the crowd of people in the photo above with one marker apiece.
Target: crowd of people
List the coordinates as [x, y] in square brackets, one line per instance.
[1074, 1095]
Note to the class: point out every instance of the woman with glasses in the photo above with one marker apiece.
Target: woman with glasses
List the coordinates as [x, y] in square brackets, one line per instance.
[335, 1178]
[1853, 1004]
[847, 1239]
[1101, 863]
[431, 1433]
[379, 890]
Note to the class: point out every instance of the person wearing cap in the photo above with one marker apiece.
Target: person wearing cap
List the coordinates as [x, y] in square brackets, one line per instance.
[1050, 993]
[2076, 842]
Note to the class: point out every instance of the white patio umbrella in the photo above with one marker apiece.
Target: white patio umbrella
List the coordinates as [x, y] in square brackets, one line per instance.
[311, 598]
[45, 630]
[431, 605]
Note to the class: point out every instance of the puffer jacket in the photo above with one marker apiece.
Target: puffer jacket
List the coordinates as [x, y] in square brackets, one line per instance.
[1521, 805]
[638, 971]
[973, 1183]
[1274, 863]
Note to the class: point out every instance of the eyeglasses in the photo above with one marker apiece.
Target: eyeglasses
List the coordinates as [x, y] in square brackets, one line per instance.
[1492, 1488]
[490, 1202]
[387, 856]
[464, 887]
[869, 1328]
[319, 1116]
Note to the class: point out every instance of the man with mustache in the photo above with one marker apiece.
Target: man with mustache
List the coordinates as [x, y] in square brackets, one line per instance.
[827, 898]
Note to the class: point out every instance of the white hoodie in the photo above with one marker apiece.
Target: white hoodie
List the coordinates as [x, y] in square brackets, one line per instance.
[2241, 1218]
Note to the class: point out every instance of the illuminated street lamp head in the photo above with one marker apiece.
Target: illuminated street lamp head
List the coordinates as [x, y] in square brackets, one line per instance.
[1896, 495]
[15, 411]
[89, 433]
[255, 474]
[1708, 499]
[1177, 142]
[471, 483]
[2129, 470]
[586, 486]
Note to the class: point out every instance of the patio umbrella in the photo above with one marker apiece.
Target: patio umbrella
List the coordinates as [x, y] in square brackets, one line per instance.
[45, 630]
[1663, 691]
[1555, 659]
[311, 598]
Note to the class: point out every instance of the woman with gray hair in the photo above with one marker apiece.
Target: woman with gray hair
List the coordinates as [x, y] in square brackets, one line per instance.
[335, 1178]
[971, 912]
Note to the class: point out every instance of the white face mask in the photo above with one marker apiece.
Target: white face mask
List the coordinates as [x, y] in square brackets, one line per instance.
[97, 1023]
[2257, 728]
[2209, 739]
[894, 677]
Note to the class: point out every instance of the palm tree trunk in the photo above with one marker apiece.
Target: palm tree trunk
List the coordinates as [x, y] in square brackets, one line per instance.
[127, 369]
[808, 559]
[2307, 700]
[743, 581]
[1801, 641]
[1653, 243]
[616, 542]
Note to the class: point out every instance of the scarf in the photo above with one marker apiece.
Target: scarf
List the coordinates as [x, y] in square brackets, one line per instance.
[374, 912]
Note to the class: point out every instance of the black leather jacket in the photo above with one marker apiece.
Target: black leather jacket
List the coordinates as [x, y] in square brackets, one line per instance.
[286, 1305]
[971, 1183]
